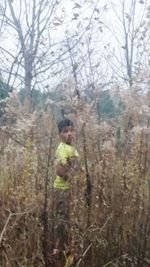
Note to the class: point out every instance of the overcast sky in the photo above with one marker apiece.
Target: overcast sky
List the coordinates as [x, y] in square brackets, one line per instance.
[107, 33]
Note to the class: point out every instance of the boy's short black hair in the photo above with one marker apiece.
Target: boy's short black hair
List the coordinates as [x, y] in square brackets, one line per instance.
[65, 122]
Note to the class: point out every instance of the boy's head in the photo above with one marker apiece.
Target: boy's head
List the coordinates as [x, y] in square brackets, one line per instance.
[66, 131]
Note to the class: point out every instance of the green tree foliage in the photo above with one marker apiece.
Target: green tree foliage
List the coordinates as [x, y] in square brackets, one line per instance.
[38, 98]
[4, 89]
[4, 92]
[108, 106]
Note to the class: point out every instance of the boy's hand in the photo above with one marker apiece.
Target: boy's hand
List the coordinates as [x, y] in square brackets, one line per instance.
[74, 163]
[69, 169]
[63, 170]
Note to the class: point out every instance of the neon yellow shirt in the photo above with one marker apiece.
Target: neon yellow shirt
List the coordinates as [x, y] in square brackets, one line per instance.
[63, 152]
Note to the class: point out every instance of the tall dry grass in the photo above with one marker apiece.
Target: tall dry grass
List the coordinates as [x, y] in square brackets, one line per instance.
[110, 215]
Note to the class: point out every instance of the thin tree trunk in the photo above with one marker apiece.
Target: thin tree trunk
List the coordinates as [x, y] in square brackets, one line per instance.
[45, 213]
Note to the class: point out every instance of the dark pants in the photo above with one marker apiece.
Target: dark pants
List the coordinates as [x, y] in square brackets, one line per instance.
[61, 230]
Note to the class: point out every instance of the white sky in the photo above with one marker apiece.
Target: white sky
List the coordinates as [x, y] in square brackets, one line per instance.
[104, 41]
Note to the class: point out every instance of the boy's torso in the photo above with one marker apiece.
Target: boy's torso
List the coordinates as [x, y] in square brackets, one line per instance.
[63, 153]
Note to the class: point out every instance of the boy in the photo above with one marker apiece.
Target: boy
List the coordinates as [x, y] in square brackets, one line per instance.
[67, 165]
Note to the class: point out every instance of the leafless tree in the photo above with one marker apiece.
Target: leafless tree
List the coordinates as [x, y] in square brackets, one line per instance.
[132, 39]
[2, 14]
[36, 50]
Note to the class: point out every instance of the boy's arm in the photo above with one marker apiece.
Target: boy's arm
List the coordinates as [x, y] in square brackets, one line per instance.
[63, 170]
[68, 169]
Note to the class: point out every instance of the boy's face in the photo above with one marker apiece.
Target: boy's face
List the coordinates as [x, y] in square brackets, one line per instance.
[67, 134]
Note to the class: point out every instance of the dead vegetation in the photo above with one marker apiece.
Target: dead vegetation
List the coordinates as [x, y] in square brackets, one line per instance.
[110, 223]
